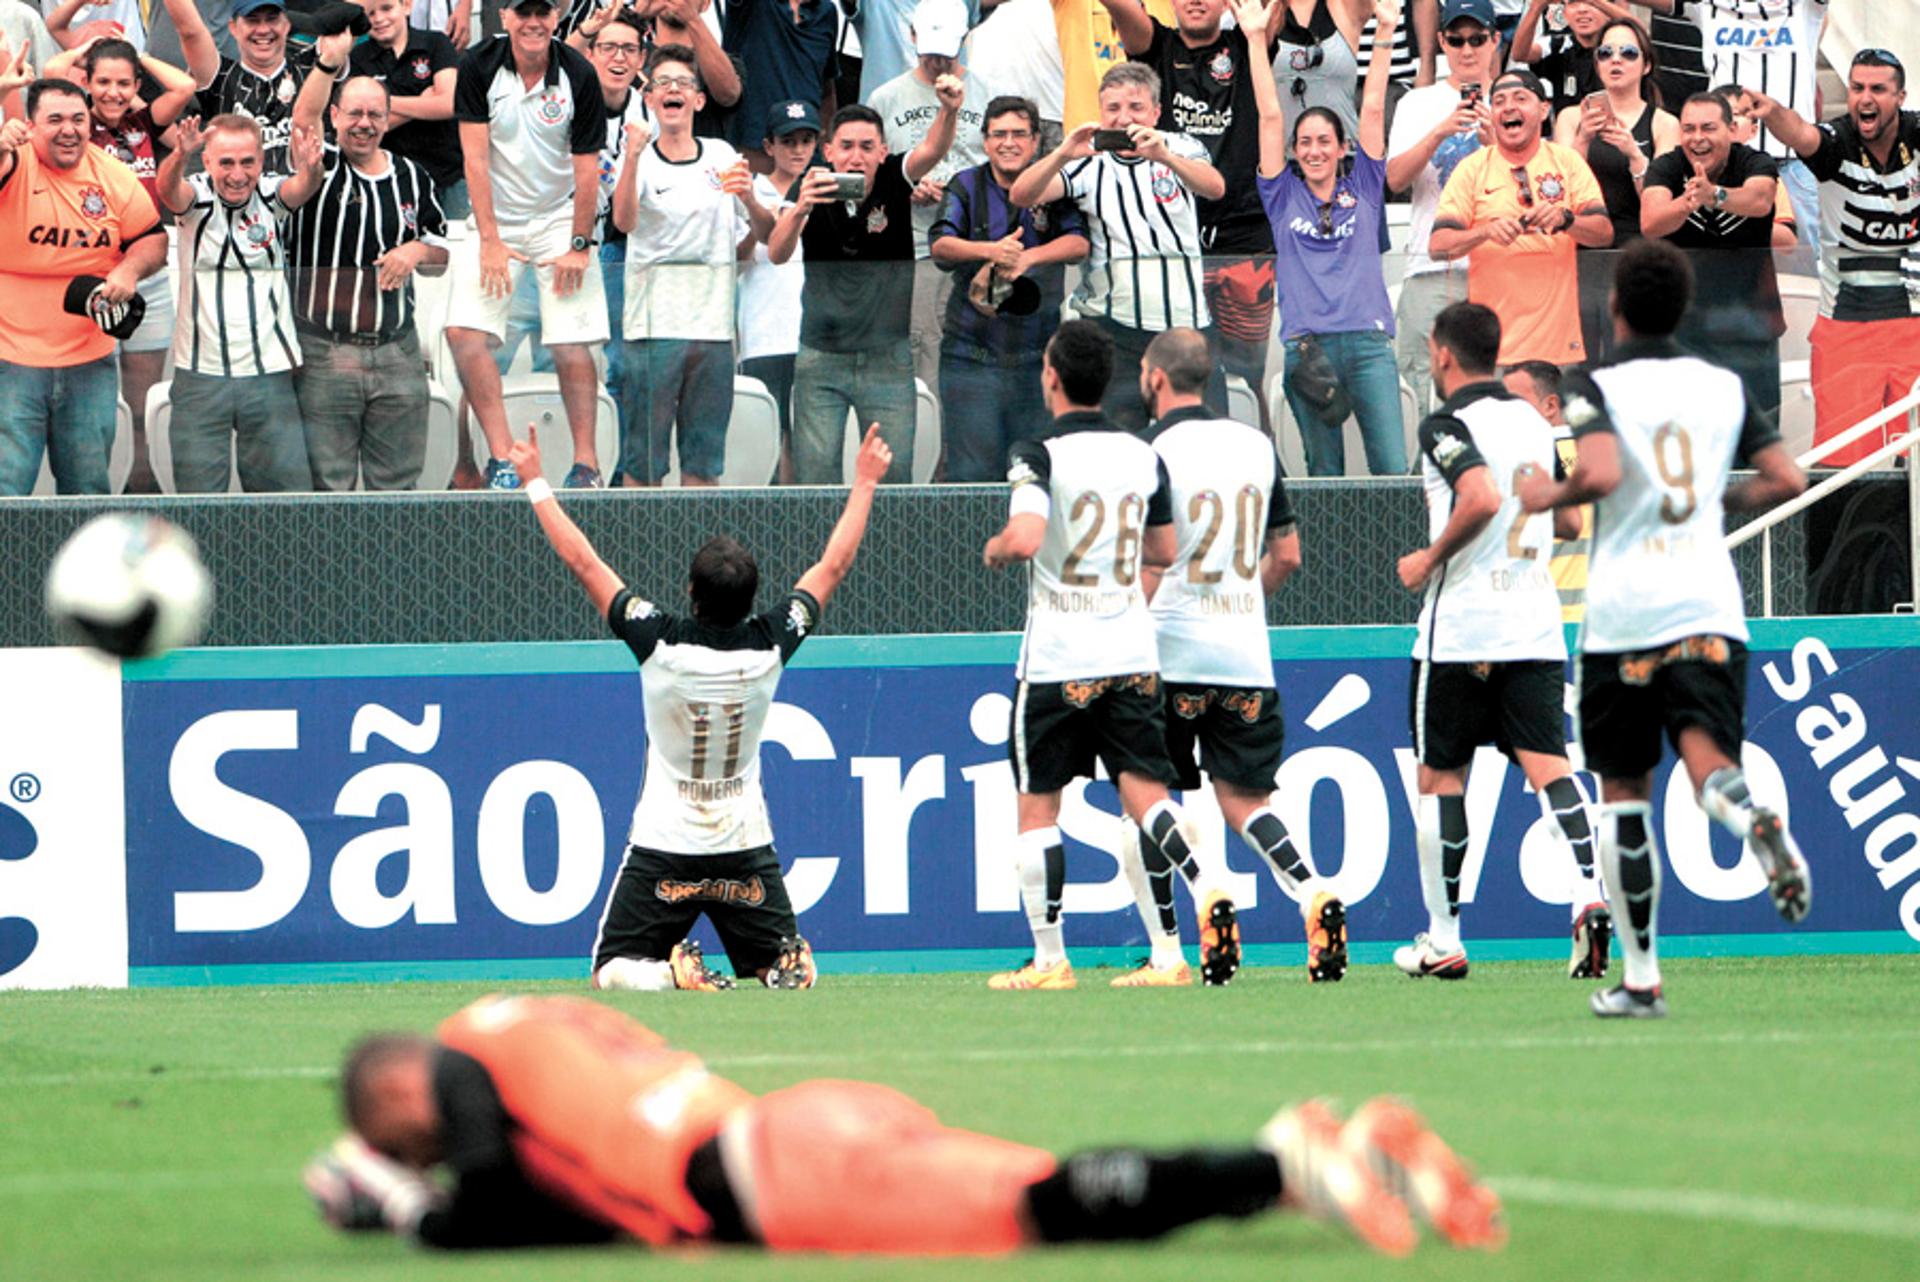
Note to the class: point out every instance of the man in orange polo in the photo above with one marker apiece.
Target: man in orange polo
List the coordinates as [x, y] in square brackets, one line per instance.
[561, 1120]
[78, 233]
[1517, 210]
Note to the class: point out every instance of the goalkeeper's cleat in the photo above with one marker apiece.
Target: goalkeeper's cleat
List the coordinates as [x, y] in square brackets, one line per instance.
[1320, 1176]
[793, 968]
[1420, 959]
[1219, 940]
[1326, 919]
[1621, 1002]
[691, 972]
[1592, 937]
[1789, 880]
[1417, 1166]
[1030, 976]
[1151, 976]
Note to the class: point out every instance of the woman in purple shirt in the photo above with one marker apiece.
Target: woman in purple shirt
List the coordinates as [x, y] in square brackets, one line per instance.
[1327, 215]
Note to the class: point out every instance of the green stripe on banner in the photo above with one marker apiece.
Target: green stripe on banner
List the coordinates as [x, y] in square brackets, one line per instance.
[946, 960]
[930, 651]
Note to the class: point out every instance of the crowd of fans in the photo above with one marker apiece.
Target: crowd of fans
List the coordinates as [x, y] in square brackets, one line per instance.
[661, 193]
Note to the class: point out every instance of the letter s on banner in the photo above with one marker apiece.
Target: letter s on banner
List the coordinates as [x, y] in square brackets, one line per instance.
[228, 814]
[503, 845]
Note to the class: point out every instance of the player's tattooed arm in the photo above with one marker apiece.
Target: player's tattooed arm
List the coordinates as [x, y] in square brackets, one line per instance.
[569, 542]
[1281, 558]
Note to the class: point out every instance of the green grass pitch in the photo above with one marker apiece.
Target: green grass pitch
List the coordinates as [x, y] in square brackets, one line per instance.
[1769, 1129]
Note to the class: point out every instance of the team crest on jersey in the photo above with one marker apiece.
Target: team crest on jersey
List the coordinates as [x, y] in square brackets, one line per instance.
[551, 110]
[1022, 473]
[422, 69]
[1221, 67]
[409, 216]
[1446, 448]
[638, 609]
[93, 202]
[284, 92]
[797, 621]
[713, 179]
[1345, 198]
[134, 137]
[1552, 187]
[1165, 189]
[1579, 411]
[876, 221]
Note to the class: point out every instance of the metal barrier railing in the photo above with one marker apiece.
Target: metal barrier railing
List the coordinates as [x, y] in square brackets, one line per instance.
[1762, 526]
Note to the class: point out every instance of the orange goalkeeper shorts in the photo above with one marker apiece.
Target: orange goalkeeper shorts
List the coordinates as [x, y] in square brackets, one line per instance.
[852, 1167]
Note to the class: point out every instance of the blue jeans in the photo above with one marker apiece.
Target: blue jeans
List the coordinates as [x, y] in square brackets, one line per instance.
[1363, 361]
[877, 385]
[66, 413]
[991, 402]
[455, 203]
[613, 272]
[250, 420]
[676, 383]
[1803, 192]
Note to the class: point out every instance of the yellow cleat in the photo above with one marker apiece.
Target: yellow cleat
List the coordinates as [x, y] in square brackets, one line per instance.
[1219, 939]
[1058, 975]
[691, 972]
[1151, 976]
[1326, 919]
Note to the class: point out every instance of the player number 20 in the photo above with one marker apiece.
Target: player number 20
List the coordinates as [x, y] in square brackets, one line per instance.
[1208, 506]
[735, 716]
[1128, 514]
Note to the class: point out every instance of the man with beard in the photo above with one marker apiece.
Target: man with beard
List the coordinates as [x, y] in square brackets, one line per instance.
[991, 354]
[353, 252]
[1206, 92]
[1715, 198]
[1866, 344]
[234, 345]
[1516, 210]
[69, 213]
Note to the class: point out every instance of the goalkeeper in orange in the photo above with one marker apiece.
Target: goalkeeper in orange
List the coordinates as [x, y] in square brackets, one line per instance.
[560, 1120]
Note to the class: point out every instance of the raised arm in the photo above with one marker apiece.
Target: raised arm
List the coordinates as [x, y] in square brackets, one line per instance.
[816, 187]
[1426, 41]
[1786, 124]
[1196, 174]
[1255, 19]
[1525, 48]
[844, 543]
[683, 23]
[566, 538]
[307, 148]
[316, 91]
[939, 140]
[1373, 97]
[1131, 21]
[1040, 183]
[626, 189]
[170, 183]
[177, 90]
[196, 42]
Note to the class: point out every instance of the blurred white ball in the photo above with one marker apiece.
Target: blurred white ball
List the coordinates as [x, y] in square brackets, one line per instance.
[130, 585]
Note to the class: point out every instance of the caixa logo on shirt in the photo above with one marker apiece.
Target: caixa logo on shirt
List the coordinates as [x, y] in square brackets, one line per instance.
[1763, 38]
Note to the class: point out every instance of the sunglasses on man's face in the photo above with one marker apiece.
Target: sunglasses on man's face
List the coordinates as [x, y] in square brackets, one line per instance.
[1625, 53]
[1477, 40]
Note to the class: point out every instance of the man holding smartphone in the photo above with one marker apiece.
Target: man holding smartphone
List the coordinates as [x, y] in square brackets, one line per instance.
[855, 222]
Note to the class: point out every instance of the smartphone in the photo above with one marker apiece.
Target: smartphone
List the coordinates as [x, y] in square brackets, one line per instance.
[850, 186]
[1470, 95]
[1112, 140]
[1595, 101]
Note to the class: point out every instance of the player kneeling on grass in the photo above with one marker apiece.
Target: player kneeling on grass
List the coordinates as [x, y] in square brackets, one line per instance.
[1235, 541]
[1489, 657]
[701, 841]
[560, 1120]
[1663, 644]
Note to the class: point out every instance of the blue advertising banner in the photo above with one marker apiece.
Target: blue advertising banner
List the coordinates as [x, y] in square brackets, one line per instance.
[443, 811]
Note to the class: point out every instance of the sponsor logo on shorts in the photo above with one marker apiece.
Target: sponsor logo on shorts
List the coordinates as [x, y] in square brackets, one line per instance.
[720, 890]
[1637, 669]
[1082, 693]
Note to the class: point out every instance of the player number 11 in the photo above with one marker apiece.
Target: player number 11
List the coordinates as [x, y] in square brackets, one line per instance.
[702, 715]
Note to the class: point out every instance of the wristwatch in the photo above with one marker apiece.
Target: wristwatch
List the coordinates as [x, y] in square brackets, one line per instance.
[1571, 219]
[1719, 197]
[580, 244]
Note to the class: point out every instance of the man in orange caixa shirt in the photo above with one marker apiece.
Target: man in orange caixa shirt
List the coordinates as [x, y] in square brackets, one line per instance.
[561, 1120]
[78, 233]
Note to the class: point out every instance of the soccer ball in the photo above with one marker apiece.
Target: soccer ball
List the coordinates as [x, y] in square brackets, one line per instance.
[132, 586]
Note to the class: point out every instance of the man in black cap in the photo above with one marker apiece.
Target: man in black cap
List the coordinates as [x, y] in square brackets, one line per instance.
[67, 211]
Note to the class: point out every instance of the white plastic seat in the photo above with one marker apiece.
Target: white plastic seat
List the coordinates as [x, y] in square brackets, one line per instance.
[436, 472]
[926, 437]
[753, 437]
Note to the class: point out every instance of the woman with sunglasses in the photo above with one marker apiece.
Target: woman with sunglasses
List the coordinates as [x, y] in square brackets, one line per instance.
[1618, 131]
[1314, 63]
[1326, 212]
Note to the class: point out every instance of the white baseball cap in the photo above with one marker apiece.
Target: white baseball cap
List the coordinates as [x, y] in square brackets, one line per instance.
[939, 26]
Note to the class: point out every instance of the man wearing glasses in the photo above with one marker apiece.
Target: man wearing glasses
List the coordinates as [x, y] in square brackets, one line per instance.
[531, 129]
[1436, 127]
[1516, 211]
[1866, 343]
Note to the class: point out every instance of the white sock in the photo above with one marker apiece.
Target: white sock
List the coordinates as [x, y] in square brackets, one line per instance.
[1043, 916]
[635, 975]
[1630, 861]
[1166, 944]
[1725, 799]
[1443, 928]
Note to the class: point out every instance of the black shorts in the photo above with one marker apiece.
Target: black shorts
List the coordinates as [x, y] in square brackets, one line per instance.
[657, 897]
[1627, 701]
[1060, 727]
[1516, 706]
[1238, 729]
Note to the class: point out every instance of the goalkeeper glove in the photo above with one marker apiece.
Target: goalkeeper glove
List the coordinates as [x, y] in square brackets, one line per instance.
[356, 1188]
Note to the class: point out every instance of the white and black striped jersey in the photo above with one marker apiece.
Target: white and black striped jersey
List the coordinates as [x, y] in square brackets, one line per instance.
[335, 239]
[266, 99]
[1677, 46]
[707, 692]
[1659, 568]
[235, 317]
[1143, 268]
[613, 154]
[1405, 58]
[1493, 600]
[1098, 488]
[1210, 612]
[533, 134]
[1869, 223]
[1769, 45]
